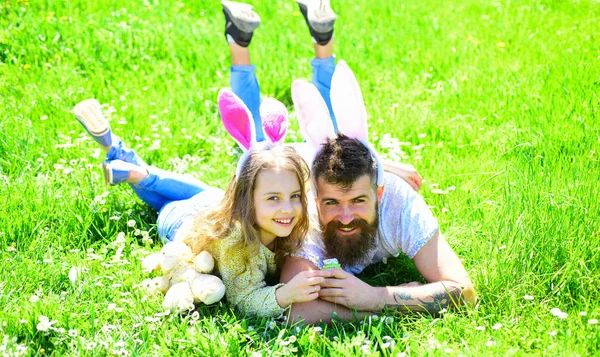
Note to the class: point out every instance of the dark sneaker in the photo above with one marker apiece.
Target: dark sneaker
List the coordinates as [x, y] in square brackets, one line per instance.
[320, 19]
[89, 114]
[240, 22]
[116, 171]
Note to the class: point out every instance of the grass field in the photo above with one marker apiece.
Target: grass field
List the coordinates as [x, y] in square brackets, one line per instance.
[495, 103]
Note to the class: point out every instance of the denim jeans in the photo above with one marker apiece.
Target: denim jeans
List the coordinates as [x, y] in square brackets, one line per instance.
[175, 197]
[245, 85]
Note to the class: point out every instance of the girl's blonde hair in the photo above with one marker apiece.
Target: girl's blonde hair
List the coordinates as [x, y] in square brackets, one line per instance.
[237, 207]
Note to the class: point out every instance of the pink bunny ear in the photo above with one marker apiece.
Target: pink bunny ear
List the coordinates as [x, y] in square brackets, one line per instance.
[274, 120]
[236, 118]
[313, 115]
[347, 103]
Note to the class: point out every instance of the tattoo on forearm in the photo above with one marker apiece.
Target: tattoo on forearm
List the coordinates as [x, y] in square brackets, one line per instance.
[432, 303]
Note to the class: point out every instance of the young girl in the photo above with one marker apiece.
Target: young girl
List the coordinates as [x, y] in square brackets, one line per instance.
[261, 217]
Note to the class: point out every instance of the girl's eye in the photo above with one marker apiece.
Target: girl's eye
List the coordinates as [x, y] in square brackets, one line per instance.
[273, 198]
[296, 195]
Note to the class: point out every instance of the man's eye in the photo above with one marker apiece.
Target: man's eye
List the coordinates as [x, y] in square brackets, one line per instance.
[359, 200]
[330, 203]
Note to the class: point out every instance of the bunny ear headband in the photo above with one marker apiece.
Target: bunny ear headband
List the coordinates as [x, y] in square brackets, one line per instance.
[349, 108]
[238, 122]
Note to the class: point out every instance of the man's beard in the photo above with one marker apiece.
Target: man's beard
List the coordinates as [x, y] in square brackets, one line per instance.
[350, 249]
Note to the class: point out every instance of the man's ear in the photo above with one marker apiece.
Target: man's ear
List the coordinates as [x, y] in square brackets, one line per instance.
[380, 194]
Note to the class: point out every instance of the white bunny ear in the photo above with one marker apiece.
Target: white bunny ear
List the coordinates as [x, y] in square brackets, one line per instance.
[274, 120]
[347, 103]
[237, 119]
[313, 115]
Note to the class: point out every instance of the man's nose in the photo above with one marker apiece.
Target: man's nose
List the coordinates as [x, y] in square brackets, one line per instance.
[346, 216]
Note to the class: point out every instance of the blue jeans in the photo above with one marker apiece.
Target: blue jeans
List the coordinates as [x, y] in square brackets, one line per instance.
[245, 85]
[176, 198]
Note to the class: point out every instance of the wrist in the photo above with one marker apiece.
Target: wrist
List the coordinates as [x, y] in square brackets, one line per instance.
[378, 298]
[281, 297]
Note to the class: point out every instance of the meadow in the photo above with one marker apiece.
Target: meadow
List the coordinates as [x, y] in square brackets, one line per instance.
[496, 103]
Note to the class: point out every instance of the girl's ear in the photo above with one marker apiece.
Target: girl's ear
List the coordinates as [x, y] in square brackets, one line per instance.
[313, 115]
[347, 103]
[274, 120]
[236, 118]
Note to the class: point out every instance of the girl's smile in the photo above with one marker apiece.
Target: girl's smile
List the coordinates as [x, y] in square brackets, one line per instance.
[277, 202]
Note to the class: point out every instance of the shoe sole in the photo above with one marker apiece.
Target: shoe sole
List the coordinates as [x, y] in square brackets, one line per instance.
[242, 15]
[108, 177]
[321, 18]
[89, 114]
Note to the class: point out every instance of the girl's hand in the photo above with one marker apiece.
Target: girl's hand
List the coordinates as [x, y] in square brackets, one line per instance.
[302, 288]
[406, 172]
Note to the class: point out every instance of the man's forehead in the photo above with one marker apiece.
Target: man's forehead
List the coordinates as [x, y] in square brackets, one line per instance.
[362, 186]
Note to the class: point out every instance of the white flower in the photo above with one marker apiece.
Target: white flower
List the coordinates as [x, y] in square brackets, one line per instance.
[34, 298]
[195, 315]
[120, 238]
[292, 339]
[112, 307]
[74, 274]
[497, 326]
[528, 297]
[490, 343]
[73, 333]
[556, 312]
[388, 342]
[552, 333]
[583, 313]
[592, 321]
[131, 223]
[480, 328]
[91, 345]
[45, 324]
[318, 329]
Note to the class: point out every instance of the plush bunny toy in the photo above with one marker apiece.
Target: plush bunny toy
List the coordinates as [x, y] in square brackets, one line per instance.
[347, 104]
[186, 278]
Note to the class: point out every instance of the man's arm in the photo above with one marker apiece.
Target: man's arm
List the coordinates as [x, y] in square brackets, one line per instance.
[449, 285]
[317, 310]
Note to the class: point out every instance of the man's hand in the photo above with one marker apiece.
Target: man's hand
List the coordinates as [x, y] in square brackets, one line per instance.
[406, 172]
[345, 289]
[303, 287]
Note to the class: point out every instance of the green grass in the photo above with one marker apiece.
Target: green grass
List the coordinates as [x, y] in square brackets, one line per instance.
[497, 100]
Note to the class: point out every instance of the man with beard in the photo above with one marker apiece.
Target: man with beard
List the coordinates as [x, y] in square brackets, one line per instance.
[363, 224]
